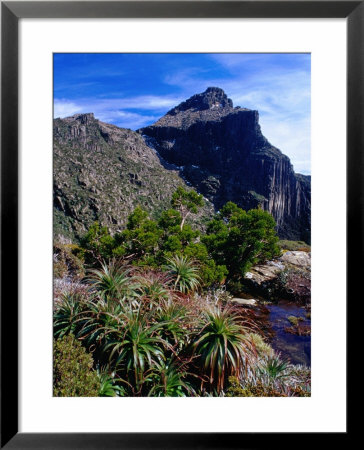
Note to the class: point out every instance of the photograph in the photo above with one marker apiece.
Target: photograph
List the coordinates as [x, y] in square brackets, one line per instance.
[181, 225]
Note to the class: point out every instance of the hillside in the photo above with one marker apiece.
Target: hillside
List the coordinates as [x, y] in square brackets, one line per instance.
[101, 172]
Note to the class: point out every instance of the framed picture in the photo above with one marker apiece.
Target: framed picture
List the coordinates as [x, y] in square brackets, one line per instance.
[34, 70]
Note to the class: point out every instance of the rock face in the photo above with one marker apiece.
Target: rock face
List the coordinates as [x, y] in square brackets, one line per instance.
[102, 172]
[222, 152]
[288, 277]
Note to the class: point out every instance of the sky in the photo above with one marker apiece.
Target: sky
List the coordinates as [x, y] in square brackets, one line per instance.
[134, 90]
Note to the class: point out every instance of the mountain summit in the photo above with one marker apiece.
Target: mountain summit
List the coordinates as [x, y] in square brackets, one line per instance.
[101, 171]
[222, 152]
[212, 98]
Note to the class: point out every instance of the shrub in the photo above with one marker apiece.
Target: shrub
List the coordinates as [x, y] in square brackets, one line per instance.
[136, 348]
[73, 375]
[112, 281]
[183, 272]
[263, 348]
[286, 245]
[223, 346]
[97, 245]
[67, 313]
[168, 381]
[239, 239]
[108, 386]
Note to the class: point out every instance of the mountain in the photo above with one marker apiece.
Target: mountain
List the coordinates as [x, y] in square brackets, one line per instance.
[101, 172]
[221, 151]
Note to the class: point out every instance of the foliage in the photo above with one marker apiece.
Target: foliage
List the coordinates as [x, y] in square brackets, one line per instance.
[186, 202]
[273, 367]
[100, 324]
[223, 345]
[140, 239]
[73, 375]
[161, 342]
[294, 320]
[238, 239]
[173, 330]
[235, 390]
[112, 281]
[154, 310]
[183, 272]
[153, 289]
[108, 386]
[286, 245]
[136, 348]
[263, 348]
[65, 318]
[235, 239]
[97, 244]
[168, 381]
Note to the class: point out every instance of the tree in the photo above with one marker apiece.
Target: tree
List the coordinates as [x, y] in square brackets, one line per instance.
[98, 243]
[186, 202]
[140, 239]
[240, 239]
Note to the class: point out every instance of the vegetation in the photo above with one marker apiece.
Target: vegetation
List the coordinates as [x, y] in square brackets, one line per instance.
[238, 239]
[286, 245]
[72, 370]
[151, 318]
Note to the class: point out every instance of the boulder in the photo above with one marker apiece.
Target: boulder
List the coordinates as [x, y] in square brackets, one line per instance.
[244, 301]
[286, 277]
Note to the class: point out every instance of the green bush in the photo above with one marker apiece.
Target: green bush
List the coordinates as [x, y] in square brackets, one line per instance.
[73, 375]
[239, 239]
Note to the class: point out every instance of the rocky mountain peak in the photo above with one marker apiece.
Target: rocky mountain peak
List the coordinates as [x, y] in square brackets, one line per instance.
[82, 118]
[212, 98]
[223, 154]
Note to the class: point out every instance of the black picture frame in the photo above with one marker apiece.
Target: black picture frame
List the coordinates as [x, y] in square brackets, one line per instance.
[11, 12]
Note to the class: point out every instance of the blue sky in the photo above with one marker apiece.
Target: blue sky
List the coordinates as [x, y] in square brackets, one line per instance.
[134, 90]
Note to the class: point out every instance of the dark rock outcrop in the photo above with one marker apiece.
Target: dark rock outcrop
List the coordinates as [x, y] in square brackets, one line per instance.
[222, 152]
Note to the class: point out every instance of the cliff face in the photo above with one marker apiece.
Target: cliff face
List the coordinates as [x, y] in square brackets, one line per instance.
[222, 152]
[102, 172]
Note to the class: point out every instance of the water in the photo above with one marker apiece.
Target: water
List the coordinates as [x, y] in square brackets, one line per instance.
[295, 348]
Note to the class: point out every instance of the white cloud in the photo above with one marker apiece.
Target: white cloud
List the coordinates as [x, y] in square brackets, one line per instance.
[282, 98]
[107, 111]
[65, 108]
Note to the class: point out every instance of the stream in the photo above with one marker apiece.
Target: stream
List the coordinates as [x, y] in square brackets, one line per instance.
[293, 347]
[272, 318]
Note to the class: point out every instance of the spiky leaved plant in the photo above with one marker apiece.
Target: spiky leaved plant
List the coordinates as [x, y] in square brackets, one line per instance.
[273, 367]
[100, 323]
[168, 378]
[173, 320]
[184, 273]
[66, 315]
[136, 348]
[113, 281]
[108, 384]
[153, 289]
[223, 345]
